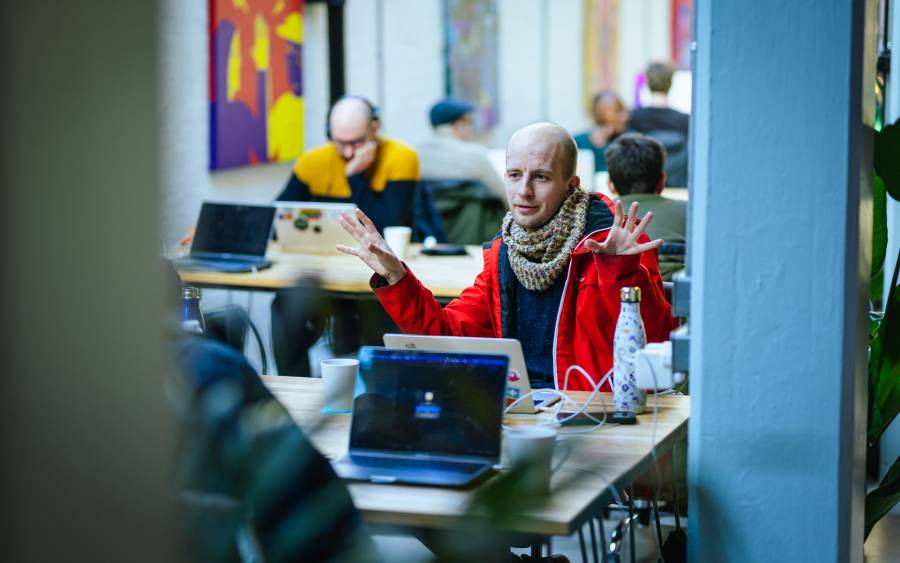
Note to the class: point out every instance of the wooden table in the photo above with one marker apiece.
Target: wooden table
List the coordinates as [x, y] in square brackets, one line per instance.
[445, 276]
[612, 454]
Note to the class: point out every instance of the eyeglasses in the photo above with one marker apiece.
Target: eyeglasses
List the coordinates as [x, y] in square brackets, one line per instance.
[355, 144]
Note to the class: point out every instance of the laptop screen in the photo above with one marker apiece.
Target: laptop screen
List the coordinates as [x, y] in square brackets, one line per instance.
[233, 229]
[429, 402]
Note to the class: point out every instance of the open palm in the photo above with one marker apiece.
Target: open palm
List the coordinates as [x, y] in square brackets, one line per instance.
[623, 237]
[372, 248]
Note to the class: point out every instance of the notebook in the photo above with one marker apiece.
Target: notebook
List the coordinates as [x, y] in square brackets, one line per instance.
[425, 417]
[308, 227]
[230, 238]
[517, 384]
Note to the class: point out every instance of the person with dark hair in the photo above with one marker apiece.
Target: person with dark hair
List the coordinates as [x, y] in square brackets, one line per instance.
[666, 125]
[610, 117]
[551, 277]
[636, 166]
[658, 116]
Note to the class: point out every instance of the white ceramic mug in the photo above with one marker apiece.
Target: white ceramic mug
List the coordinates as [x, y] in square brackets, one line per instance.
[339, 380]
[531, 449]
[398, 239]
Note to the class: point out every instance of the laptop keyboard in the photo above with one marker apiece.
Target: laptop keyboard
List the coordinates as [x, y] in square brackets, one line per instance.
[415, 463]
[218, 265]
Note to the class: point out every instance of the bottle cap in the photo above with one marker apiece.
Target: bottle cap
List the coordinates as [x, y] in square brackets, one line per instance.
[190, 292]
[630, 294]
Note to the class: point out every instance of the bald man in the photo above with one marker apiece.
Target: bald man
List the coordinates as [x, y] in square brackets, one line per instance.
[551, 277]
[378, 174]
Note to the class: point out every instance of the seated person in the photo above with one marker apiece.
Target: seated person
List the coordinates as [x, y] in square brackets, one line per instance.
[637, 174]
[552, 276]
[666, 125]
[380, 176]
[610, 117]
[658, 116]
[377, 174]
[450, 154]
[250, 484]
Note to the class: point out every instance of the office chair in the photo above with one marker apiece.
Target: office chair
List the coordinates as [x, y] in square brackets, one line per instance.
[229, 325]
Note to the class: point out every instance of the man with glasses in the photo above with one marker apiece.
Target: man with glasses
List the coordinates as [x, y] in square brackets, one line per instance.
[380, 176]
[377, 174]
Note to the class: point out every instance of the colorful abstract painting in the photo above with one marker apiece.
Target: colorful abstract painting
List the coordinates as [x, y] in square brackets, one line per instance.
[682, 24]
[601, 48]
[471, 57]
[255, 81]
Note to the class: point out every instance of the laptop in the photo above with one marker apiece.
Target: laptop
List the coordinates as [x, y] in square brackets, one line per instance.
[425, 417]
[517, 384]
[308, 227]
[230, 238]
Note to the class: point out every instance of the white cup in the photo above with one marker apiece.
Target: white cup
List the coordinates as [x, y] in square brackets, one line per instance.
[530, 450]
[339, 379]
[398, 239]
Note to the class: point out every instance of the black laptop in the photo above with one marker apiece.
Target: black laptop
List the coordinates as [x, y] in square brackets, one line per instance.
[423, 417]
[230, 238]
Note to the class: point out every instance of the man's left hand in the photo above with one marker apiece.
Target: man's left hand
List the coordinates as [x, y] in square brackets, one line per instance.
[623, 237]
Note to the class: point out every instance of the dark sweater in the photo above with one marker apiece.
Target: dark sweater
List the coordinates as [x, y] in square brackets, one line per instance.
[536, 313]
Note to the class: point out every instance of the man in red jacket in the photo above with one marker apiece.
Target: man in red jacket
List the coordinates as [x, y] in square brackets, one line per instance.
[552, 276]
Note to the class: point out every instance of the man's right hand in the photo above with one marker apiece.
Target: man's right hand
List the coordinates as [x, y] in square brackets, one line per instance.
[372, 248]
[362, 159]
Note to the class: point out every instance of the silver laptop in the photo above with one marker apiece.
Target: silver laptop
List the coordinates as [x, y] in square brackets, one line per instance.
[517, 384]
[308, 227]
[425, 417]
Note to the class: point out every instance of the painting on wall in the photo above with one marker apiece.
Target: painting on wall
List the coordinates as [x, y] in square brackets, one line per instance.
[255, 81]
[601, 48]
[471, 57]
[682, 24]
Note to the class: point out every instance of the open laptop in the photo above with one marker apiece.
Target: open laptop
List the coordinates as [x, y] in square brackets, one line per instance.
[230, 238]
[517, 384]
[308, 227]
[425, 417]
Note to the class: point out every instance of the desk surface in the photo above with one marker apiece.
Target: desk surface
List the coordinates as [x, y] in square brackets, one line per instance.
[611, 454]
[445, 276]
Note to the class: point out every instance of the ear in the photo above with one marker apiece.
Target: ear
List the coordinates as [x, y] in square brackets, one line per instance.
[376, 126]
[574, 183]
[611, 187]
[662, 183]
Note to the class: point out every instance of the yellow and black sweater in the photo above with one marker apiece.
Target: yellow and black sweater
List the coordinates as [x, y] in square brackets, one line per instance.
[385, 192]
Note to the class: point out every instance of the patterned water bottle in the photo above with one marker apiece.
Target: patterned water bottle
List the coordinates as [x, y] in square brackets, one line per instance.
[628, 339]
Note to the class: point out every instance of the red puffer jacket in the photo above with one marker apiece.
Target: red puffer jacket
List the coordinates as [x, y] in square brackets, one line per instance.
[587, 312]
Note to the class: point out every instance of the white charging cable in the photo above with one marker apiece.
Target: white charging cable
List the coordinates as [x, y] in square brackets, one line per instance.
[565, 400]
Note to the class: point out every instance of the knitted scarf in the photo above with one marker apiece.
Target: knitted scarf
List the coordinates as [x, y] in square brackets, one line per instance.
[539, 256]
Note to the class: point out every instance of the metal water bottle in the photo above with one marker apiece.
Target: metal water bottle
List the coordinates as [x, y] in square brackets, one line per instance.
[628, 339]
[191, 315]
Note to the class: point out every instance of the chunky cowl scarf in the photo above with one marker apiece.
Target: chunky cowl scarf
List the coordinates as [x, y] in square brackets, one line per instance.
[538, 257]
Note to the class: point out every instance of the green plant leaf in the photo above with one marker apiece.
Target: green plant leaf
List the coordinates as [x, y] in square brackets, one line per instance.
[880, 501]
[879, 226]
[884, 365]
[887, 162]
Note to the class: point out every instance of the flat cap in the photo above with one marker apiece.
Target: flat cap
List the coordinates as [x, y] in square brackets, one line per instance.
[449, 110]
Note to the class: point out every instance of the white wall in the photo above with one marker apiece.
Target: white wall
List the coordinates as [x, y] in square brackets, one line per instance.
[394, 56]
[186, 178]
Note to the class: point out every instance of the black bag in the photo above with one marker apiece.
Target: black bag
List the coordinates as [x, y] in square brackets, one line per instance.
[229, 326]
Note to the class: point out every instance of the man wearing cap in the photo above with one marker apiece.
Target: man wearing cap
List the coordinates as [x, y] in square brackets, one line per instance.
[450, 154]
[551, 277]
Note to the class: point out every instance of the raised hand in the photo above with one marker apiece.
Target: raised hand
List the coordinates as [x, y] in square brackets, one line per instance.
[623, 236]
[371, 248]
